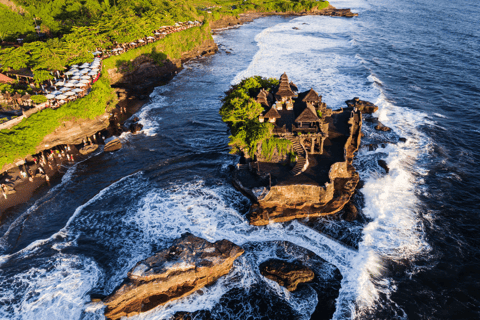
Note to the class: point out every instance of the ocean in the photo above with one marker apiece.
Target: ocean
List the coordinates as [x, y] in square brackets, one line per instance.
[413, 252]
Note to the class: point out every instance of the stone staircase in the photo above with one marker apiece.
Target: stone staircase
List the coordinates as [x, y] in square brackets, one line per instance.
[302, 161]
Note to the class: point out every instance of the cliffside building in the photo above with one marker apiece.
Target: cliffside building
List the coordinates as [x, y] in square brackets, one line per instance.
[296, 114]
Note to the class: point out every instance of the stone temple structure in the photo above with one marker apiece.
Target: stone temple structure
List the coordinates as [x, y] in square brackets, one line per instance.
[294, 113]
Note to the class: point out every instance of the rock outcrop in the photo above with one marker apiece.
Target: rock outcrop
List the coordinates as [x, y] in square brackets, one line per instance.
[381, 127]
[363, 106]
[286, 274]
[88, 149]
[73, 132]
[188, 265]
[288, 201]
[113, 145]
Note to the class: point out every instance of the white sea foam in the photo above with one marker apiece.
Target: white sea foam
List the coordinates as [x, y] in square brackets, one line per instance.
[321, 56]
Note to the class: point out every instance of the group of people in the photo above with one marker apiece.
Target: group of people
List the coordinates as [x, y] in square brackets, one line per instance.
[158, 34]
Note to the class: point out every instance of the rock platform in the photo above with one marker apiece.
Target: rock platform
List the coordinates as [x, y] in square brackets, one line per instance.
[188, 265]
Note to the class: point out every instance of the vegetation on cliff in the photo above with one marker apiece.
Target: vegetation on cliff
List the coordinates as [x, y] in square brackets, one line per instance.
[23, 139]
[241, 112]
[171, 47]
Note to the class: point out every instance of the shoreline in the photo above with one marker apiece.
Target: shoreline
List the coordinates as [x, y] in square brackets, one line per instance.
[131, 99]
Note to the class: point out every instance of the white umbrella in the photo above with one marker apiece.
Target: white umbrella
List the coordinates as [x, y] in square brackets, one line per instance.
[132, 43]
[76, 77]
[69, 84]
[60, 83]
[81, 85]
[69, 93]
[141, 40]
[97, 52]
[92, 73]
[60, 97]
[77, 73]
[65, 89]
[86, 64]
[70, 72]
[56, 92]
[84, 71]
[77, 90]
[157, 33]
[74, 66]
[84, 81]
[150, 37]
[85, 78]
[50, 96]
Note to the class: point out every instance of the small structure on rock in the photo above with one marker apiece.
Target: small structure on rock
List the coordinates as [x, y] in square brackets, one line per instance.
[188, 265]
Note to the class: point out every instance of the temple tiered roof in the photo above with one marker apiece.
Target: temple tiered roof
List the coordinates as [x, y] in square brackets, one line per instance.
[284, 90]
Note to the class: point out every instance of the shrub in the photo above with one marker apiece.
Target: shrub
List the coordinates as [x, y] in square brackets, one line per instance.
[38, 99]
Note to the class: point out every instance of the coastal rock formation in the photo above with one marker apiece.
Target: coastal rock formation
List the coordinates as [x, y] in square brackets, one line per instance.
[188, 265]
[144, 72]
[287, 201]
[383, 164]
[381, 127]
[73, 132]
[363, 106]
[286, 274]
[113, 145]
[334, 12]
[88, 149]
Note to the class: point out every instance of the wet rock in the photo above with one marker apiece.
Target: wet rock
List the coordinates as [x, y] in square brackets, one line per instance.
[383, 164]
[113, 145]
[188, 265]
[363, 106]
[350, 212]
[402, 139]
[381, 127]
[286, 274]
[295, 28]
[135, 127]
[88, 149]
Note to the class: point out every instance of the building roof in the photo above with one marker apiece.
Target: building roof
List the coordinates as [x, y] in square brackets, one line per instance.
[284, 89]
[5, 79]
[312, 96]
[272, 113]
[309, 114]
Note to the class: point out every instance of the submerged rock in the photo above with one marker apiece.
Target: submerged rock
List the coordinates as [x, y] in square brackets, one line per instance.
[286, 274]
[363, 106]
[188, 265]
[381, 127]
[383, 164]
[113, 145]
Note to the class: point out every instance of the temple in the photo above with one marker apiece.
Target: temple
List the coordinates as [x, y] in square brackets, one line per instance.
[295, 113]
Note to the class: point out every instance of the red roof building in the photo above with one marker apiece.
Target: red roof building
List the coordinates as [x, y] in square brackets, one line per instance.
[5, 79]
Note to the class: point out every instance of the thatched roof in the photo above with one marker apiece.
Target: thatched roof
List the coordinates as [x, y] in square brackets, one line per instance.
[272, 113]
[311, 96]
[309, 114]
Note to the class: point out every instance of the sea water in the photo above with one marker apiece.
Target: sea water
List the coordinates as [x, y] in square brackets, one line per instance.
[113, 210]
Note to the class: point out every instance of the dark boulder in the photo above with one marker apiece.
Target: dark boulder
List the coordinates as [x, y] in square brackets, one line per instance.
[383, 164]
[363, 106]
[286, 274]
[135, 127]
[350, 212]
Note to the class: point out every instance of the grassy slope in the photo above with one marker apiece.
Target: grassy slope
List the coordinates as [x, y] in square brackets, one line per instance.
[23, 139]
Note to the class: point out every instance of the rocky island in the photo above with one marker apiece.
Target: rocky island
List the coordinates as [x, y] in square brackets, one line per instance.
[188, 265]
[296, 153]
